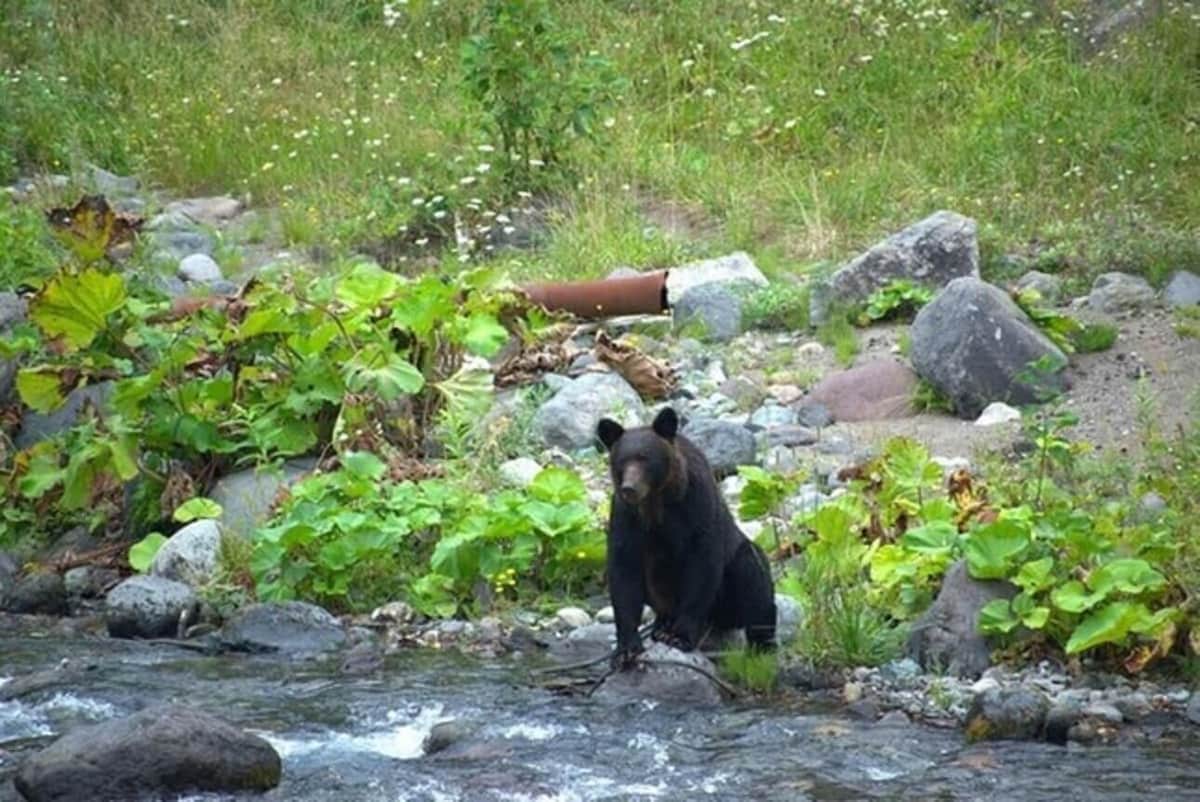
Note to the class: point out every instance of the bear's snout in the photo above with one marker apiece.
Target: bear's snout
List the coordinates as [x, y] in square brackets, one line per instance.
[633, 484]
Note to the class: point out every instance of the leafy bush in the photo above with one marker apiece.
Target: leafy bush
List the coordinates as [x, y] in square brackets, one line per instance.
[1094, 337]
[347, 540]
[780, 305]
[535, 86]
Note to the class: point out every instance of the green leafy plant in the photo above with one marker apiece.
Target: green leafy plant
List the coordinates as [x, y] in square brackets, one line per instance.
[1094, 337]
[26, 251]
[763, 495]
[1062, 329]
[927, 398]
[142, 553]
[780, 306]
[900, 298]
[349, 541]
[534, 81]
[749, 669]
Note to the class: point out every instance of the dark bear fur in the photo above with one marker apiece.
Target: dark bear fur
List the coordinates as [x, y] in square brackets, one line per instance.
[673, 544]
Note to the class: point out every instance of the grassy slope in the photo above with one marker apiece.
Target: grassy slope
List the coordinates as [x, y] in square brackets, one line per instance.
[846, 121]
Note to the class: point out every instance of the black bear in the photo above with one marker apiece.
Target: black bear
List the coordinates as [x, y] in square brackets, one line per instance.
[673, 544]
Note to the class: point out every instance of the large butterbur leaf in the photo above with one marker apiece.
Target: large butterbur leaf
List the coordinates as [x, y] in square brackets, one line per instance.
[76, 307]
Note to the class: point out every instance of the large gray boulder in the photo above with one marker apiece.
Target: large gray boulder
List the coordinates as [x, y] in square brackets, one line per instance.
[1182, 290]
[932, 252]
[190, 555]
[725, 444]
[1117, 293]
[163, 751]
[568, 420]
[947, 637]
[975, 345]
[12, 312]
[210, 211]
[36, 426]
[714, 309]
[735, 268]
[147, 607]
[293, 627]
[246, 497]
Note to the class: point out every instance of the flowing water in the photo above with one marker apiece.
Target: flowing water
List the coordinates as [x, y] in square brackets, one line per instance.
[360, 738]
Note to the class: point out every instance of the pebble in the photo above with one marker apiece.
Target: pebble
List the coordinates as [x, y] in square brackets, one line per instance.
[573, 617]
[852, 692]
[199, 268]
[606, 615]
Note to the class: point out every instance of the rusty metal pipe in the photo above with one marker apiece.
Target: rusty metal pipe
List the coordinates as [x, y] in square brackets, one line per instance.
[644, 294]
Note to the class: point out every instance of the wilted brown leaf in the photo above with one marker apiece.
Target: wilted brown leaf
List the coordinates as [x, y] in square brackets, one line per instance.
[91, 229]
[652, 378]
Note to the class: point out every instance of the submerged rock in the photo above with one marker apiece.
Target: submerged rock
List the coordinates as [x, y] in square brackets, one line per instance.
[167, 749]
[1014, 713]
[40, 593]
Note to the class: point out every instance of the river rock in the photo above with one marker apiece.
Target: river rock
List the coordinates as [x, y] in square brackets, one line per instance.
[110, 184]
[293, 627]
[200, 268]
[791, 436]
[39, 593]
[90, 581]
[174, 235]
[715, 310]
[771, 416]
[147, 607]
[568, 420]
[210, 211]
[1045, 285]
[1181, 291]
[520, 472]
[997, 413]
[573, 617]
[1010, 713]
[660, 678]
[725, 444]
[947, 637]
[166, 750]
[12, 312]
[788, 615]
[36, 426]
[246, 497]
[973, 344]
[814, 415]
[1116, 293]
[190, 555]
[881, 389]
[931, 253]
[1193, 709]
[736, 268]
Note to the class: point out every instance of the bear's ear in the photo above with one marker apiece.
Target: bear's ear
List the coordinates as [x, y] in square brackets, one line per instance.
[666, 424]
[609, 432]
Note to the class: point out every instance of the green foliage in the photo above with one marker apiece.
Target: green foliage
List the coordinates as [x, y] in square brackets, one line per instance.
[1062, 329]
[781, 305]
[837, 333]
[196, 509]
[898, 299]
[763, 492]
[350, 541]
[534, 81]
[927, 398]
[142, 553]
[1187, 322]
[1093, 337]
[26, 252]
[756, 671]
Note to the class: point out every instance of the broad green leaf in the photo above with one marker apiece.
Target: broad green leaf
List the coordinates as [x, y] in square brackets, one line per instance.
[366, 286]
[484, 335]
[991, 549]
[1073, 597]
[1113, 623]
[76, 306]
[557, 485]
[426, 304]
[1035, 575]
[123, 454]
[142, 553]
[364, 464]
[1126, 576]
[269, 320]
[996, 618]
[42, 475]
[196, 508]
[1031, 614]
[385, 373]
[41, 389]
[938, 537]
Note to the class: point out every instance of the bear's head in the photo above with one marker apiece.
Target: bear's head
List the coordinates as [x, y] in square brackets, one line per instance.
[643, 460]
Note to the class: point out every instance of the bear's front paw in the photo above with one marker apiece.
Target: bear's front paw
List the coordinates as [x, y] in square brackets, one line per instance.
[625, 658]
[674, 640]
